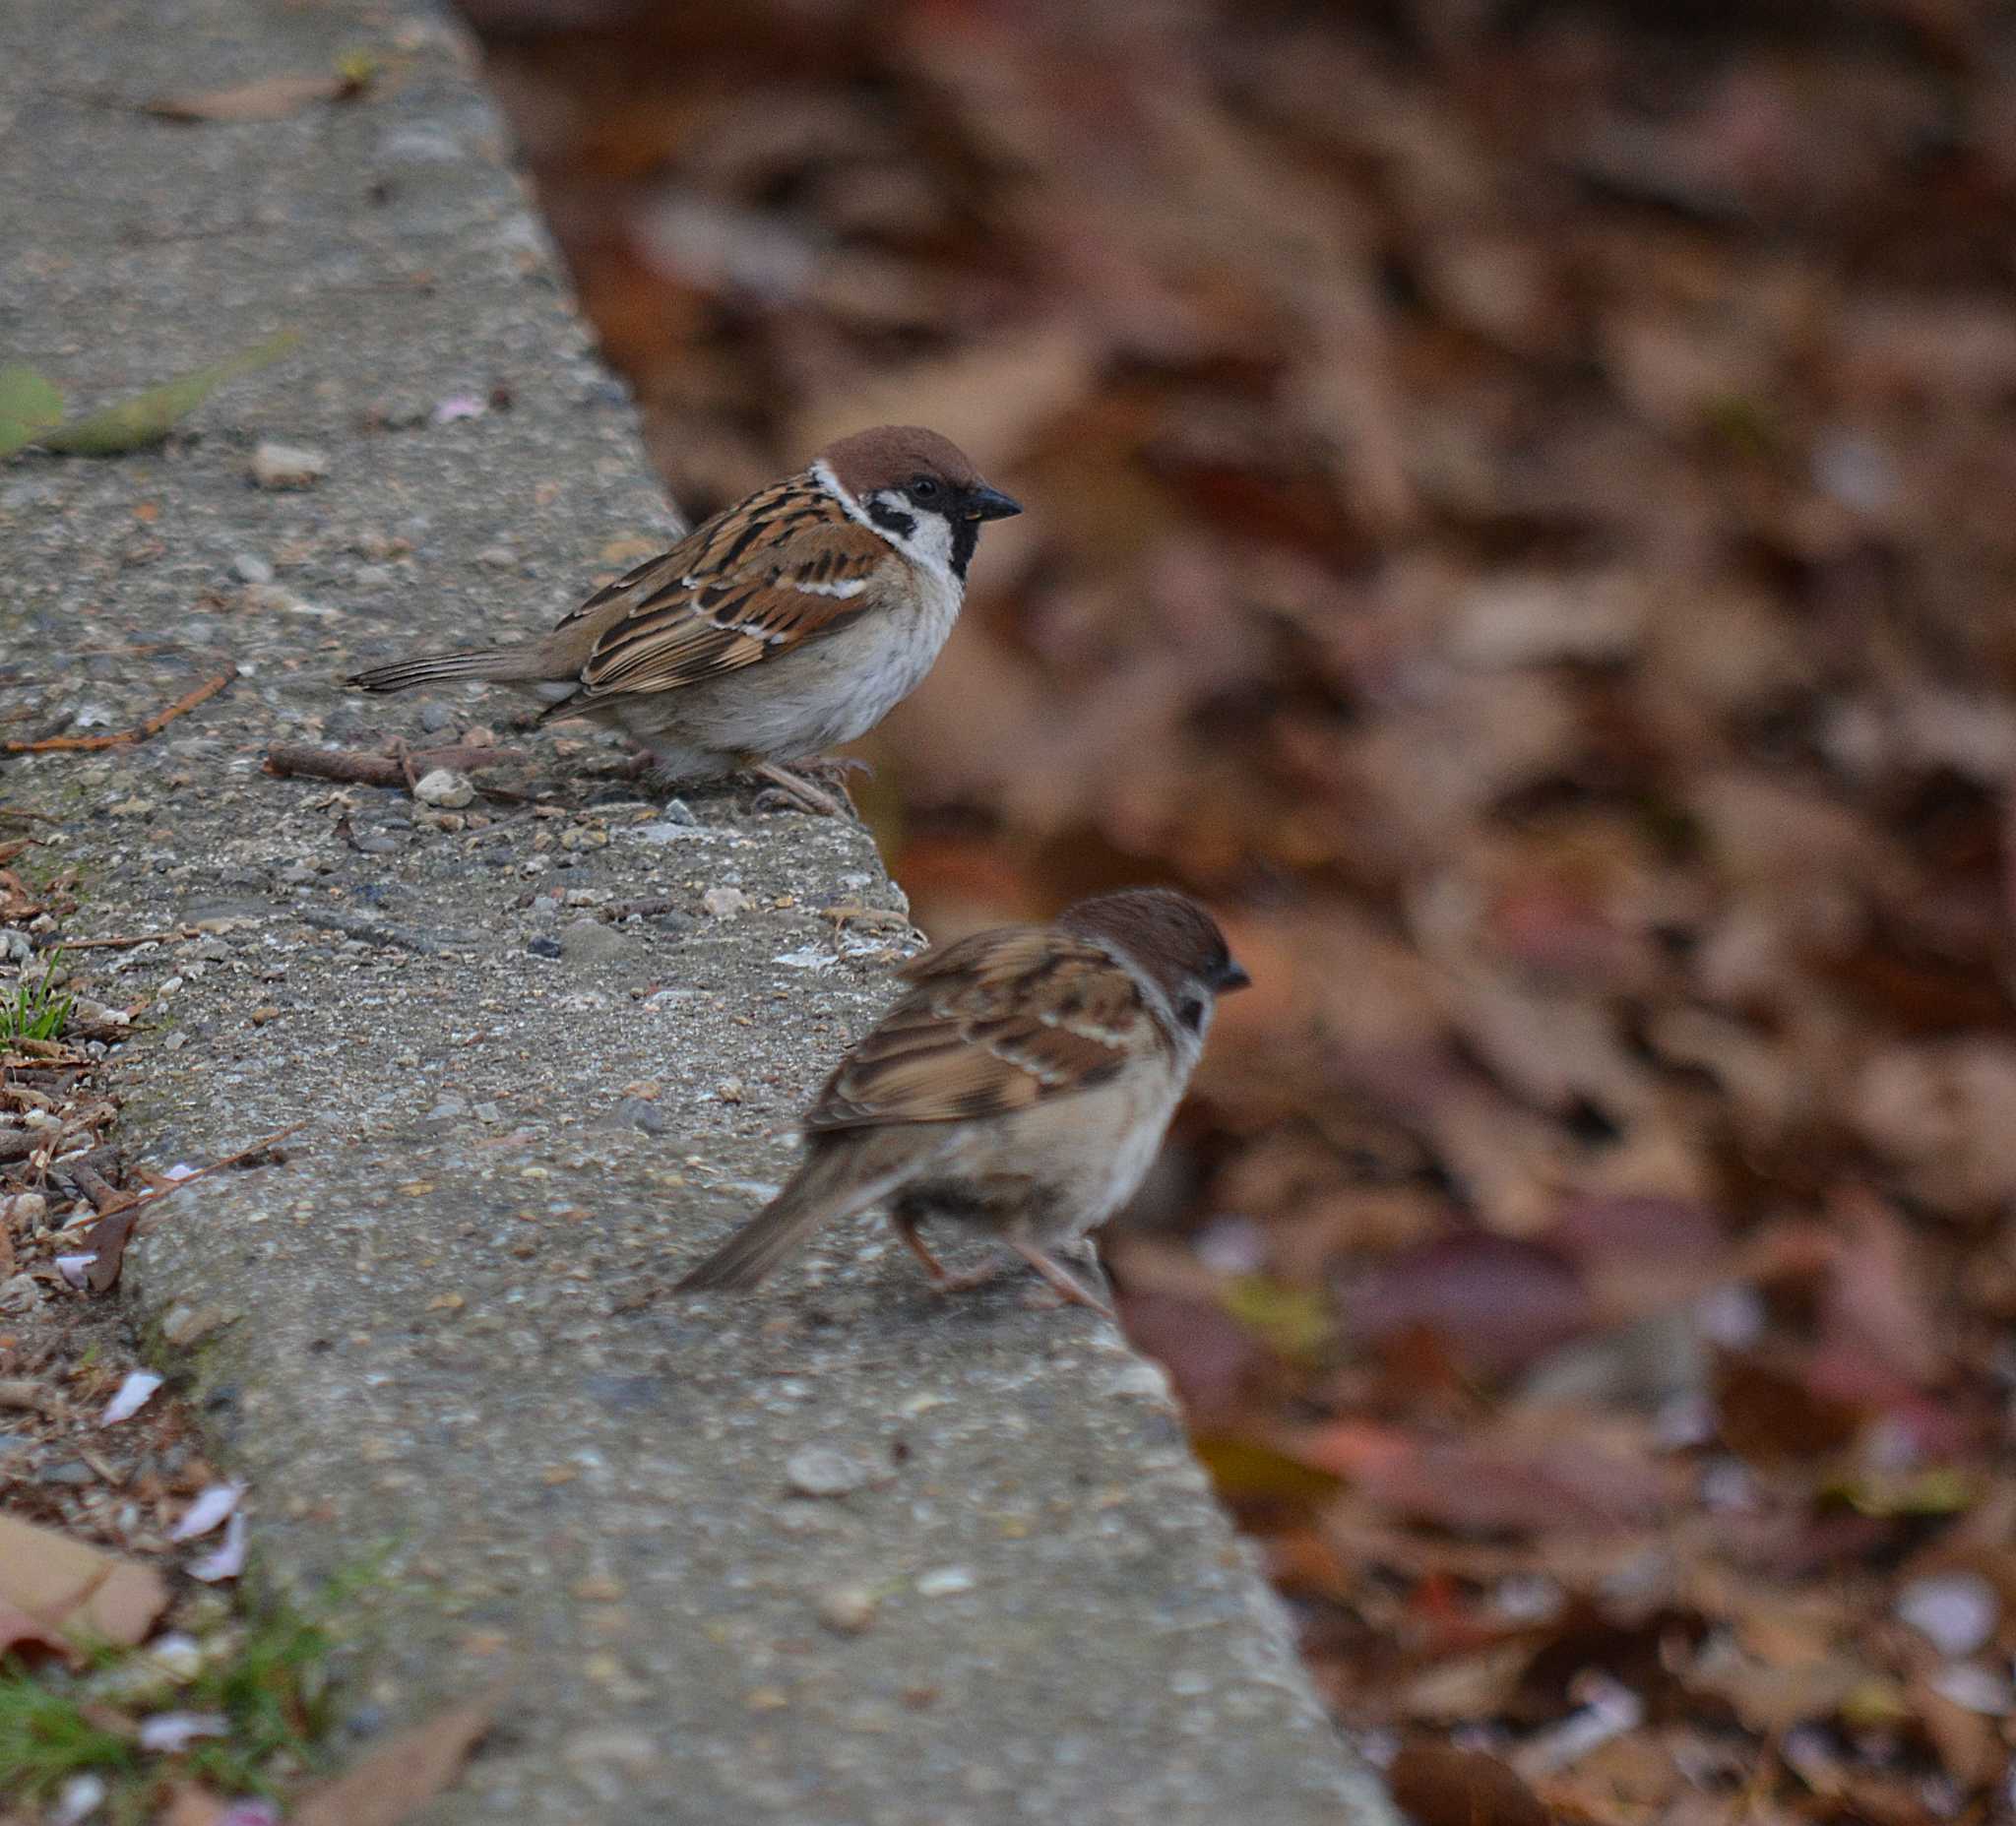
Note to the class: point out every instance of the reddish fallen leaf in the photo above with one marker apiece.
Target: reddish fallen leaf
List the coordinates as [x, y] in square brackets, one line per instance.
[1495, 1302]
[1641, 1254]
[75, 1590]
[108, 1237]
[270, 98]
[394, 1782]
[1875, 1308]
[1768, 1415]
[1436, 1785]
[1221, 1370]
[1514, 1486]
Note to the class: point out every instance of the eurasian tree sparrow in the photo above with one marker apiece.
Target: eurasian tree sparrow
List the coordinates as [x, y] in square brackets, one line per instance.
[788, 623]
[1021, 1085]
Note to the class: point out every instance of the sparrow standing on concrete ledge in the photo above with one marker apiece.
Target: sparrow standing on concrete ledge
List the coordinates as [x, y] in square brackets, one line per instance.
[786, 624]
[1021, 1085]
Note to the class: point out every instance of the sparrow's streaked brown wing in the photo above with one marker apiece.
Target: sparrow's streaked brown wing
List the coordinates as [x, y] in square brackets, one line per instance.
[779, 569]
[992, 1024]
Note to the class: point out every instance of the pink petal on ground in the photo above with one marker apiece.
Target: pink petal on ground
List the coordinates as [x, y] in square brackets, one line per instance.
[72, 1267]
[172, 1731]
[211, 1505]
[229, 1560]
[133, 1394]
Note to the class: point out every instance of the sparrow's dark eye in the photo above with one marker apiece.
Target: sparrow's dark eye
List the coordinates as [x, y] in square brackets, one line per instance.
[1190, 1012]
[923, 488]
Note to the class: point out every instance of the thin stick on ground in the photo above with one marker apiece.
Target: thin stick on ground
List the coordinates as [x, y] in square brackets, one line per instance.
[153, 725]
[134, 1201]
[354, 766]
[56, 941]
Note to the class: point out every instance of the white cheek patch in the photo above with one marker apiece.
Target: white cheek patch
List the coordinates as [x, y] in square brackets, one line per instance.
[930, 546]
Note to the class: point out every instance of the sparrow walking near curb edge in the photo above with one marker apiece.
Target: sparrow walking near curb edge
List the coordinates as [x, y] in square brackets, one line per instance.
[786, 624]
[1021, 1085]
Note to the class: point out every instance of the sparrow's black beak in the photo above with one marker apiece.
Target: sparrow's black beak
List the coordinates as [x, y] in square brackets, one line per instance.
[984, 503]
[1232, 975]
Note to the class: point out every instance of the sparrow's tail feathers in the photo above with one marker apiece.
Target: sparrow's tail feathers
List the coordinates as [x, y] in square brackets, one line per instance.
[500, 664]
[830, 1185]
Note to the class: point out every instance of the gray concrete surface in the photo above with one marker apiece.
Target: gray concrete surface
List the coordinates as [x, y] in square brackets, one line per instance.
[441, 1324]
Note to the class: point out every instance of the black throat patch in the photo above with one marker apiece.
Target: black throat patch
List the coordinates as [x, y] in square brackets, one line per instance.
[966, 536]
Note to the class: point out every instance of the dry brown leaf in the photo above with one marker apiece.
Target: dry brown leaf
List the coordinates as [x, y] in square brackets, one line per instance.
[1967, 1743]
[1436, 1785]
[1768, 1415]
[1875, 1307]
[392, 1782]
[76, 1589]
[1495, 1302]
[1485, 1486]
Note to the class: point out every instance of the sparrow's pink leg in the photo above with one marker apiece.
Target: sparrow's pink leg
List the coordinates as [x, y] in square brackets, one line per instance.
[942, 1279]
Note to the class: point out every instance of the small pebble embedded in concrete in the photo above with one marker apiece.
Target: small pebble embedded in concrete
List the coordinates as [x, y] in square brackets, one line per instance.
[589, 941]
[847, 1609]
[944, 1581]
[823, 1470]
[444, 786]
[287, 465]
[1141, 1382]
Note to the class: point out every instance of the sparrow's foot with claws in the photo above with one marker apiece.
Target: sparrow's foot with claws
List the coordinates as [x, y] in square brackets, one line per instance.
[790, 790]
[1069, 1289]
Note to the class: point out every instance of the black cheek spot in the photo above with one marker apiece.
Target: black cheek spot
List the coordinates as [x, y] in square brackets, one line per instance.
[891, 519]
[1190, 1012]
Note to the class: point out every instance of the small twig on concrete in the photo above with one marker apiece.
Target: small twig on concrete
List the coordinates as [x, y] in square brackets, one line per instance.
[98, 1161]
[618, 911]
[56, 941]
[382, 932]
[101, 1193]
[153, 725]
[132, 1201]
[353, 767]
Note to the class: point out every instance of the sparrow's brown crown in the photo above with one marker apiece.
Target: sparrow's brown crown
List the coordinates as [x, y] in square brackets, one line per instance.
[1166, 933]
[930, 470]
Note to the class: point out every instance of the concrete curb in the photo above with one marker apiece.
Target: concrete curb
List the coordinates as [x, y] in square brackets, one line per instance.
[846, 1554]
